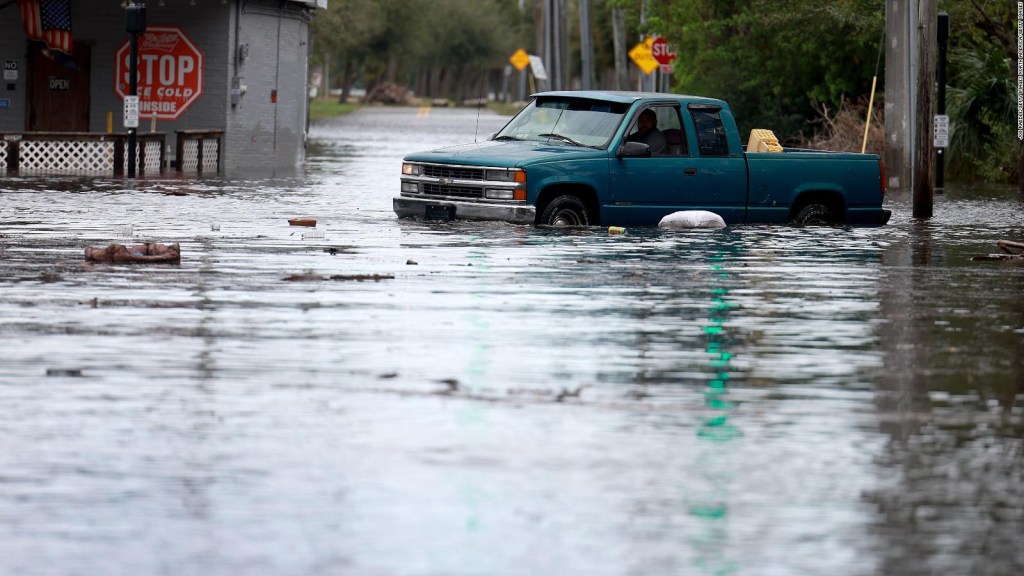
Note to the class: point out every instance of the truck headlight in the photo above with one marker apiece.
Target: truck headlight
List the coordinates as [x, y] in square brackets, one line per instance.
[410, 187]
[507, 175]
[409, 169]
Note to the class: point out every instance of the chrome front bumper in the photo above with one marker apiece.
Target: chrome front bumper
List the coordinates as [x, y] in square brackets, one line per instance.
[410, 207]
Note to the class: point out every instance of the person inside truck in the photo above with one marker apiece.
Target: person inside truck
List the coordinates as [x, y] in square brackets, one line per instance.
[647, 132]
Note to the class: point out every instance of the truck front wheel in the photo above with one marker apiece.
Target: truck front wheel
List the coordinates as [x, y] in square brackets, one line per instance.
[814, 215]
[565, 210]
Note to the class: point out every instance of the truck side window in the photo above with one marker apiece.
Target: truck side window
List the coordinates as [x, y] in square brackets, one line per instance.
[674, 135]
[664, 135]
[710, 132]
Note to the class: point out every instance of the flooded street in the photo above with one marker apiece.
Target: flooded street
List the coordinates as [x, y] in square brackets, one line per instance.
[383, 397]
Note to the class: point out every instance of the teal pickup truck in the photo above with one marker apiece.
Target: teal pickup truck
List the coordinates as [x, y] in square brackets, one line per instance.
[626, 159]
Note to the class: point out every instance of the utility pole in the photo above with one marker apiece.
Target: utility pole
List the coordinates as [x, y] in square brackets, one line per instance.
[558, 31]
[542, 43]
[553, 43]
[924, 194]
[646, 80]
[619, 43]
[587, 71]
[555, 70]
[327, 77]
[899, 92]
[546, 55]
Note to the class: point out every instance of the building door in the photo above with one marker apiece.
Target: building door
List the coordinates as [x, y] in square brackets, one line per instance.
[58, 91]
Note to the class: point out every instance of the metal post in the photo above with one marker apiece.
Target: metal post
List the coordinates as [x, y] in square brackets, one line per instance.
[135, 24]
[943, 38]
[133, 90]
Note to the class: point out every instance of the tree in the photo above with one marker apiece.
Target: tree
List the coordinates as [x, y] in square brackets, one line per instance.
[777, 62]
[341, 35]
[453, 42]
[773, 60]
[459, 42]
[982, 94]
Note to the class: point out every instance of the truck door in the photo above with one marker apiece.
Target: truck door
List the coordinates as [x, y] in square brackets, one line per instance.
[685, 175]
[643, 190]
[716, 172]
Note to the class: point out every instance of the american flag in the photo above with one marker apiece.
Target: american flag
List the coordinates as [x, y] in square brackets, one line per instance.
[48, 21]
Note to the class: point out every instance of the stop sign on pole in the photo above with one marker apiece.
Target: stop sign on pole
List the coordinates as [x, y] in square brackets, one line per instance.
[661, 52]
[170, 73]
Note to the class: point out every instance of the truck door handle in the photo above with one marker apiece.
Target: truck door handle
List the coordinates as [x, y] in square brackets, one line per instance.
[690, 171]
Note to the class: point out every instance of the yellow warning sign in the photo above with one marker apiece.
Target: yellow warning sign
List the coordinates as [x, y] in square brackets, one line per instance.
[520, 59]
[644, 58]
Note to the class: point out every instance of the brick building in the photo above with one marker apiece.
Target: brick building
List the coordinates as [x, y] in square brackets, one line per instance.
[228, 75]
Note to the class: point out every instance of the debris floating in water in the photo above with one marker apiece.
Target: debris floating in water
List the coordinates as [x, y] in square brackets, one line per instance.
[68, 372]
[338, 277]
[1013, 251]
[150, 252]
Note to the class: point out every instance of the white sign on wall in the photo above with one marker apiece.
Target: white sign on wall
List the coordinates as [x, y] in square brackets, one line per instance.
[10, 69]
[131, 111]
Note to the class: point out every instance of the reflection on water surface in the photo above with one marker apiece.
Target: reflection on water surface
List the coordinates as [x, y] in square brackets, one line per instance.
[506, 399]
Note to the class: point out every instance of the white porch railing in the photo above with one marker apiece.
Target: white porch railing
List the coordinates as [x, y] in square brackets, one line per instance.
[79, 153]
[199, 151]
[86, 153]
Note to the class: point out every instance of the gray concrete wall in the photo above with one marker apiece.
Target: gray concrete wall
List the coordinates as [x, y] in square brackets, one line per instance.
[262, 133]
[12, 92]
[205, 27]
[259, 133]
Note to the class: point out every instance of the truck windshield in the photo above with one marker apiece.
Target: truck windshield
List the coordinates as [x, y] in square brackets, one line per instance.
[574, 121]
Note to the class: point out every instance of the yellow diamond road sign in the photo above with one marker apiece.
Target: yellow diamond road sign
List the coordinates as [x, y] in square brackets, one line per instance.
[641, 54]
[520, 59]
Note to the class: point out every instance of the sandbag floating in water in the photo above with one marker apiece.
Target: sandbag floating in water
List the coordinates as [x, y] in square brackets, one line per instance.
[692, 219]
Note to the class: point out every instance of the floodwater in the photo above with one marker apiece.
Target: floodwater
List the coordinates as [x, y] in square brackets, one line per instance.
[488, 399]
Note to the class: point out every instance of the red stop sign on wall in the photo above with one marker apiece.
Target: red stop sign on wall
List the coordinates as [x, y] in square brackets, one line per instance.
[170, 72]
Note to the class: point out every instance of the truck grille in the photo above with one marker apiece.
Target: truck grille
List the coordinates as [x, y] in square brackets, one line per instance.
[457, 191]
[453, 172]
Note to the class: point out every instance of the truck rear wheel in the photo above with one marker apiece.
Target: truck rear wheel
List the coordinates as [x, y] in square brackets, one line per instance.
[814, 215]
[565, 210]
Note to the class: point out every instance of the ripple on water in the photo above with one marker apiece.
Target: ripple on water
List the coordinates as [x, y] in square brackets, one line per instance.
[505, 399]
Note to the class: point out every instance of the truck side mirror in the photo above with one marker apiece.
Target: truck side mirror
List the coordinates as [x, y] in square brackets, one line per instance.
[633, 150]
